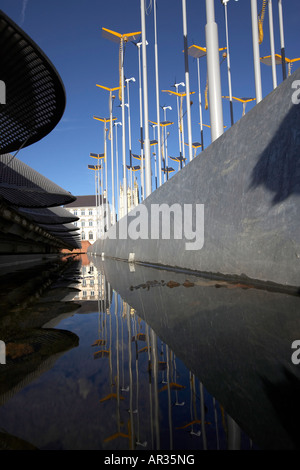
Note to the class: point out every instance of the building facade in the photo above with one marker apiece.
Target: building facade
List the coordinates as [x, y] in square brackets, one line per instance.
[91, 217]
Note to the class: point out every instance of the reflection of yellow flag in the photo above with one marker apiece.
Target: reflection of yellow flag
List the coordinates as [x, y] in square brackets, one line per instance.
[115, 436]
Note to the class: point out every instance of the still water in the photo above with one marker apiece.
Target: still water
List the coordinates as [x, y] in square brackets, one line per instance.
[112, 356]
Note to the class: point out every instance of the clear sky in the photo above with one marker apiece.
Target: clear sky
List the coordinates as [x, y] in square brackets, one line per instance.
[70, 34]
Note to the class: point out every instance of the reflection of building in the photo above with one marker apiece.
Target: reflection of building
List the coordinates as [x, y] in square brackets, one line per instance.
[90, 288]
[132, 198]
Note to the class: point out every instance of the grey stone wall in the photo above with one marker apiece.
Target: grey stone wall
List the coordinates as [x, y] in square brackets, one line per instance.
[249, 183]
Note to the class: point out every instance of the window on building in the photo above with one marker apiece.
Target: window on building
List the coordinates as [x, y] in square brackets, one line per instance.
[90, 211]
[75, 212]
[91, 236]
[82, 212]
[82, 236]
[90, 223]
[82, 223]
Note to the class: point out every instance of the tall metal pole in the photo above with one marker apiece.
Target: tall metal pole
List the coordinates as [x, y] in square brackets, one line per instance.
[157, 91]
[256, 58]
[146, 113]
[187, 79]
[213, 71]
[200, 105]
[166, 136]
[141, 124]
[117, 164]
[271, 27]
[123, 130]
[112, 158]
[106, 185]
[101, 199]
[228, 62]
[129, 137]
[282, 45]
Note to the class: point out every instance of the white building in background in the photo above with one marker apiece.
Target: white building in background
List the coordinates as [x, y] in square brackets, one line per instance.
[132, 198]
[91, 218]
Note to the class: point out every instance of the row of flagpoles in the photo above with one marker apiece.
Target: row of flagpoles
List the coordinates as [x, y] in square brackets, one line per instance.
[212, 54]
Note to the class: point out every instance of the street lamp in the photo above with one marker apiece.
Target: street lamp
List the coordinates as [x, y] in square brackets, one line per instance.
[180, 115]
[187, 78]
[180, 160]
[255, 42]
[146, 111]
[165, 128]
[267, 60]
[105, 120]
[224, 2]
[139, 44]
[197, 52]
[111, 98]
[116, 124]
[282, 39]
[163, 124]
[128, 80]
[213, 72]
[98, 183]
[122, 39]
[241, 100]
[157, 91]
[96, 169]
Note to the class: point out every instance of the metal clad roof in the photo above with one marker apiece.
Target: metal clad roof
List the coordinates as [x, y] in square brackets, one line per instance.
[53, 216]
[22, 186]
[35, 94]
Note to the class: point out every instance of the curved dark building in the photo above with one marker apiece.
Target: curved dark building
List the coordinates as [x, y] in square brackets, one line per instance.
[33, 101]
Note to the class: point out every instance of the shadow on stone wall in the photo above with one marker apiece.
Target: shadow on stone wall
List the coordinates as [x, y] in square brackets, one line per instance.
[278, 168]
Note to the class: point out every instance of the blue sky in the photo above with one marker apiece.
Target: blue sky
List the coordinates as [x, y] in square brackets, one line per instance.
[70, 34]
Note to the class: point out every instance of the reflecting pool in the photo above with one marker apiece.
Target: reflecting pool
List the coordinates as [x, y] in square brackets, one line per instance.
[114, 356]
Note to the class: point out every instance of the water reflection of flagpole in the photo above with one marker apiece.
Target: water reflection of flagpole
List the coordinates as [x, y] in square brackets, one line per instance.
[234, 434]
[150, 386]
[123, 316]
[131, 410]
[138, 441]
[216, 423]
[169, 399]
[202, 409]
[177, 403]
[154, 369]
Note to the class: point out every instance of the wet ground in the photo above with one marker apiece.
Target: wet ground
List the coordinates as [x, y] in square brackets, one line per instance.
[105, 355]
